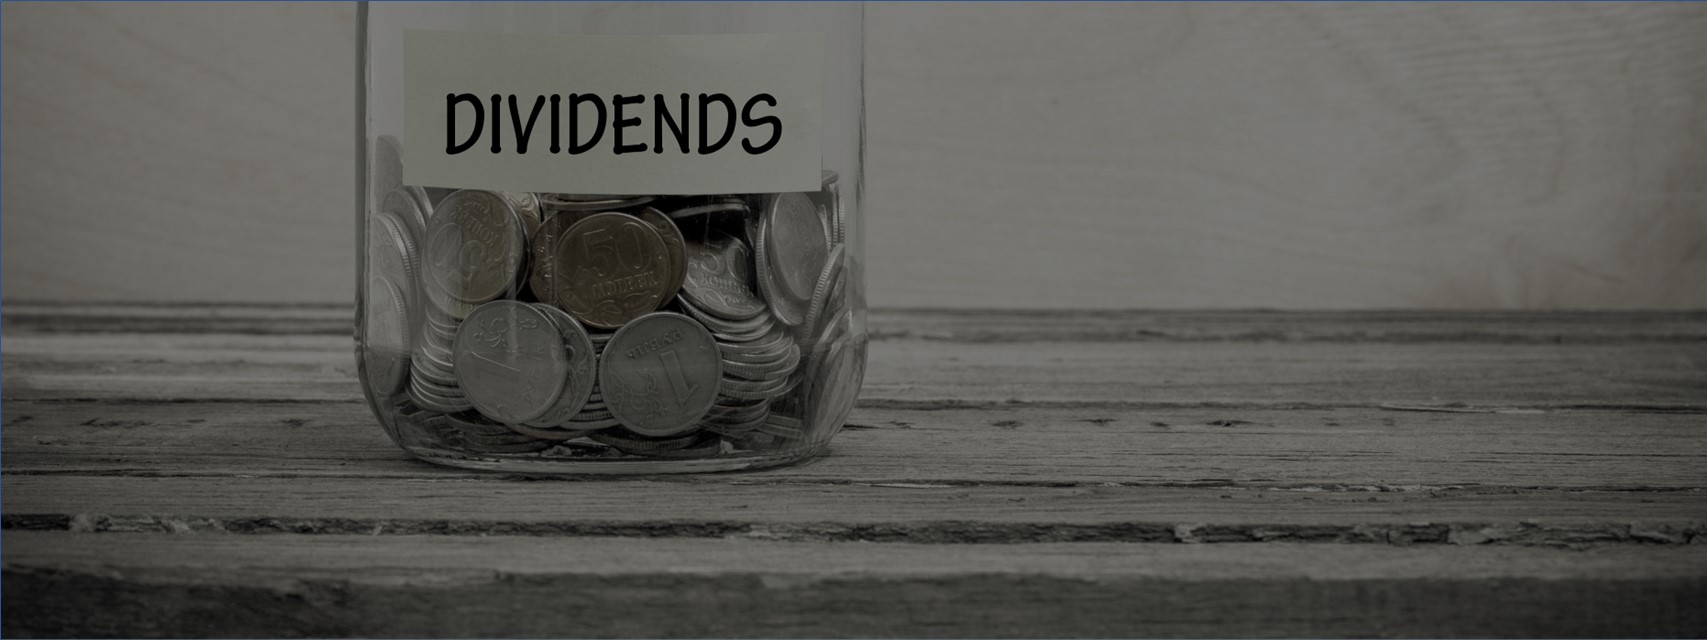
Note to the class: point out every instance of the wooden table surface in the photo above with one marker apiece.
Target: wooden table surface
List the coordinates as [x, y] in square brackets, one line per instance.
[196, 470]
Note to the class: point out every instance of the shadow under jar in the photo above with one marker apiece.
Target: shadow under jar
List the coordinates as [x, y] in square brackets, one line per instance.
[625, 238]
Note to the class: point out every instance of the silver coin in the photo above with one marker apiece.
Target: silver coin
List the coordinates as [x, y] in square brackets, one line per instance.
[527, 207]
[785, 308]
[637, 444]
[677, 245]
[795, 243]
[838, 217]
[589, 415]
[432, 401]
[837, 370]
[391, 251]
[439, 390]
[594, 425]
[720, 266]
[737, 414]
[660, 373]
[780, 368]
[770, 345]
[707, 209]
[590, 202]
[408, 211]
[510, 361]
[385, 338]
[441, 377]
[758, 325]
[833, 269]
[551, 434]
[772, 391]
[530, 446]
[583, 363]
[478, 425]
[771, 358]
[475, 249]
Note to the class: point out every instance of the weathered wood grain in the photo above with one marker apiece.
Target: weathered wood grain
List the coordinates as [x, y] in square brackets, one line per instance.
[178, 367]
[438, 586]
[1020, 444]
[970, 325]
[792, 509]
[185, 470]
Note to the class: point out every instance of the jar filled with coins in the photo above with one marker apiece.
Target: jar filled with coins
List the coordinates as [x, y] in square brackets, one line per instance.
[611, 238]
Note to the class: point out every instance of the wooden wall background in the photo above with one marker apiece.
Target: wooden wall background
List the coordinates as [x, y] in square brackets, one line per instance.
[1101, 155]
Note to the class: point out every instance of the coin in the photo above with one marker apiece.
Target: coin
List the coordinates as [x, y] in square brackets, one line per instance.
[391, 252]
[385, 337]
[474, 251]
[821, 292]
[660, 374]
[719, 269]
[542, 262]
[677, 245]
[429, 399]
[510, 361]
[527, 207]
[582, 370]
[408, 210]
[590, 202]
[550, 434]
[787, 309]
[836, 371]
[611, 268]
[795, 243]
[719, 207]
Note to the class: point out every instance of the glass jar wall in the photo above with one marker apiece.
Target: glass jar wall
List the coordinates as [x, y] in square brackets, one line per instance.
[572, 329]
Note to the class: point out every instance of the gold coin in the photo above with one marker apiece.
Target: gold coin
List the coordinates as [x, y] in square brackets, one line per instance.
[611, 268]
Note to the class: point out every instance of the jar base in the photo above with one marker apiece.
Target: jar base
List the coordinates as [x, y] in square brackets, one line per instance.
[625, 466]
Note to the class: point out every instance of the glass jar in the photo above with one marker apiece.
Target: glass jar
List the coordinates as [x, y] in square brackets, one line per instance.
[610, 238]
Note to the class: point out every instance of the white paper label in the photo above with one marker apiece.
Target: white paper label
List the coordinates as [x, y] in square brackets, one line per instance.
[613, 114]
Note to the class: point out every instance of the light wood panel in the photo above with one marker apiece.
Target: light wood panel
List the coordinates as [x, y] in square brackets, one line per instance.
[1289, 155]
[1426, 155]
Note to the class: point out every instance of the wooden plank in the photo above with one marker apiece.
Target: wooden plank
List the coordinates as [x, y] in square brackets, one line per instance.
[441, 586]
[1020, 444]
[284, 319]
[759, 508]
[1075, 325]
[322, 367]
[969, 325]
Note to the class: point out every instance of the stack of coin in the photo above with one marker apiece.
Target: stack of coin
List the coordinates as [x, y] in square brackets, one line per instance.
[524, 324]
[594, 415]
[511, 360]
[579, 382]
[790, 248]
[692, 207]
[390, 299]
[478, 434]
[432, 369]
